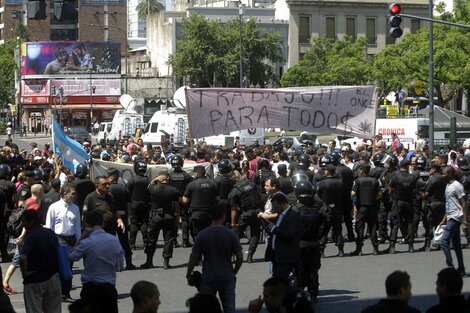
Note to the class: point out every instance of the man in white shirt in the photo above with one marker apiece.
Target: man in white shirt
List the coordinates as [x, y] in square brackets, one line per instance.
[63, 217]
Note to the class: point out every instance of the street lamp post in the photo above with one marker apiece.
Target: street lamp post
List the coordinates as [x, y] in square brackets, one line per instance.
[241, 12]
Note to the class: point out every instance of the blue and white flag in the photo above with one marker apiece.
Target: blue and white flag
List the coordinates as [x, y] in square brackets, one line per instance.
[71, 152]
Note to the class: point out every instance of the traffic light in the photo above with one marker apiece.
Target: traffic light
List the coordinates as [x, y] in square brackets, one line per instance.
[394, 20]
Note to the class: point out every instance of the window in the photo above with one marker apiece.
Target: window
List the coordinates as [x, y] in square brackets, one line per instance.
[351, 28]
[304, 29]
[331, 27]
[415, 26]
[154, 127]
[370, 31]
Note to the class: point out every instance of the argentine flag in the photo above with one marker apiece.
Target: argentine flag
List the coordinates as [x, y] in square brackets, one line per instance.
[71, 152]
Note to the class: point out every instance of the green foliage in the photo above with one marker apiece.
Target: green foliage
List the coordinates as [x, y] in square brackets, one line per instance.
[7, 70]
[331, 62]
[209, 53]
[148, 7]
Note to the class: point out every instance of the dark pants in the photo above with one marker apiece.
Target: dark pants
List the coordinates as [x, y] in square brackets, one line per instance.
[168, 229]
[252, 221]
[199, 220]
[434, 213]
[336, 226]
[104, 296]
[3, 234]
[124, 239]
[402, 214]
[226, 291]
[347, 208]
[366, 215]
[139, 221]
[185, 217]
[309, 266]
[283, 270]
[384, 209]
[452, 232]
[67, 241]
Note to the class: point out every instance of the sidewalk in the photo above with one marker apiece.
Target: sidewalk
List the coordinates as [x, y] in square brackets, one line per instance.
[16, 136]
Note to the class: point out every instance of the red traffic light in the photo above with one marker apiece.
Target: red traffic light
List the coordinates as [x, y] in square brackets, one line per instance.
[394, 9]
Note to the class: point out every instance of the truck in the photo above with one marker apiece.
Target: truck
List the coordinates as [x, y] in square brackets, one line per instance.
[407, 130]
[125, 121]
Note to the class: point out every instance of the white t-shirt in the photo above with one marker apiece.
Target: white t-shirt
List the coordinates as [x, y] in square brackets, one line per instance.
[8, 130]
[454, 192]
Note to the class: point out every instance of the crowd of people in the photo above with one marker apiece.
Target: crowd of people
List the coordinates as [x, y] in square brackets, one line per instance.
[295, 199]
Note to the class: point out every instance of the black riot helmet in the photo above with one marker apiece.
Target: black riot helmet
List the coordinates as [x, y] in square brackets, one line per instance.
[335, 157]
[325, 160]
[37, 175]
[5, 171]
[225, 166]
[304, 189]
[377, 158]
[389, 160]
[140, 167]
[304, 161]
[177, 161]
[462, 162]
[81, 171]
[421, 163]
[299, 177]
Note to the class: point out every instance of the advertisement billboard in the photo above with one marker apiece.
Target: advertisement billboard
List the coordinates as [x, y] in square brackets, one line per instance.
[35, 88]
[102, 2]
[70, 58]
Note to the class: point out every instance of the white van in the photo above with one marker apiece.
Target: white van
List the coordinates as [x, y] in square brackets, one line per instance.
[165, 123]
[124, 125]
[103, 131]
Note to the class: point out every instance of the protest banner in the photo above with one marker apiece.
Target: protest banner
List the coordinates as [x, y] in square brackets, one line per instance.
[341, 110]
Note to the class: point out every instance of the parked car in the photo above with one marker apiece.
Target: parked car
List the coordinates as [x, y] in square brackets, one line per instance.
[294, 142]
[79, 134]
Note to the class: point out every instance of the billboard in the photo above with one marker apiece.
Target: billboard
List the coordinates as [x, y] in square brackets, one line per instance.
[81, 87]
[70, 58]
[102, 2]
[35, 88]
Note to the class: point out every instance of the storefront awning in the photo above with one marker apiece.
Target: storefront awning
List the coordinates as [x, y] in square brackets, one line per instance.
[96, 106]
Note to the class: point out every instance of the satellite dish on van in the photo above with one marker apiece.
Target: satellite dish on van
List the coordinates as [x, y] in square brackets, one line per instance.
[128, 103]
[179, 98]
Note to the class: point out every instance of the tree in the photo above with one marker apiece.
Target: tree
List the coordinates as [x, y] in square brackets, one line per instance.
[7, 70]
[331, 62]
[208, 54]
[149, 7]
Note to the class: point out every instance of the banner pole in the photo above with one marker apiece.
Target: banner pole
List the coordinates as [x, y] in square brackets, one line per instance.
[190, 133]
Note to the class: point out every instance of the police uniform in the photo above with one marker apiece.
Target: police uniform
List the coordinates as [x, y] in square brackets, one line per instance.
[121, 200]
[366, 189]
[386, 203]
[313, 215]
[106, 206]
[421, 178]
[330, 190]
[140, 207]
[162, 217]
[435, 203]
[180, 179]
[403, 184]
[83, 187]
[225, 183]
[348, 179]
[9, 190]
[202, 193]
[262, 175]
[246, 196]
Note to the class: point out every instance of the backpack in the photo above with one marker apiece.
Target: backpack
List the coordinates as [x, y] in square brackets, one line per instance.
[14, 224]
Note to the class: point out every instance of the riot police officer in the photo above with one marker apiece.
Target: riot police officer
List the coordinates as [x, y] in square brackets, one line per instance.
[201, 195]
[163, 213]
[434, 197]
[140, 202]
[304, 162]
[83, 186]
[320, 175]
[263, 173]
[25, 190]
[313, 214]
[366, 190]
[225, 179]
[402, 188]
[421, 175]
[122, 202]
[9, 191]
[328, 190]
[389, 165]
[245, 202]
[180, 179]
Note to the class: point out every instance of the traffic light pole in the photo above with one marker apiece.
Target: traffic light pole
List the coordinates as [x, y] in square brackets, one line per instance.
[431, 64]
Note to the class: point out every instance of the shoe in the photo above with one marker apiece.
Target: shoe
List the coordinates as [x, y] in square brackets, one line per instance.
[166, 264]
[463, 273]
[9, 290]
[341, 252]
[376, 251]
[187, 244]
[249, 258]
[130, 267]
[146, 265]
[67, 298]
[411, 249]
[391, 250]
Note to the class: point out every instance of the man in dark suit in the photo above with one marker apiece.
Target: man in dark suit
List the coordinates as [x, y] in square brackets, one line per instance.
[283, 246]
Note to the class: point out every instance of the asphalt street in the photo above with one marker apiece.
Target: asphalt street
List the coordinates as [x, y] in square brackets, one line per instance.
[347, 284]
